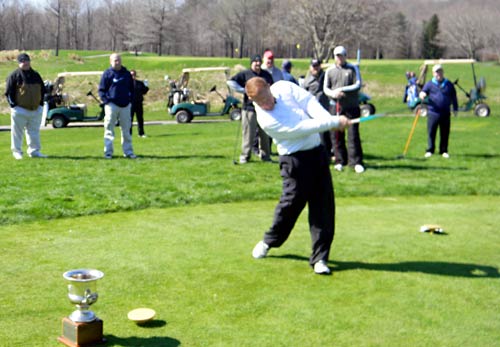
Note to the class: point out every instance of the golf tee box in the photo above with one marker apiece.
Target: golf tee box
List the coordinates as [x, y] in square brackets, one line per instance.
[77, 334]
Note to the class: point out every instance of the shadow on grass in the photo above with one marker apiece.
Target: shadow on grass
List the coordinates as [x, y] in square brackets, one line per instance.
[427, 267]
[139, 157]
[479, 156]
[134, 341]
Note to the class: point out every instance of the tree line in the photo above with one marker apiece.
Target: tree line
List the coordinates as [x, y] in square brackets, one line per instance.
[238, 28]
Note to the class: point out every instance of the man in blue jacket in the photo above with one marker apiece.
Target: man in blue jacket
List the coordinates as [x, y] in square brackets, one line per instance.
[442, 95]
[116, 90]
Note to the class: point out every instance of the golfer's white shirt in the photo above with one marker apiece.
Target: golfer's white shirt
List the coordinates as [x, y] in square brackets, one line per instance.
[296, 120]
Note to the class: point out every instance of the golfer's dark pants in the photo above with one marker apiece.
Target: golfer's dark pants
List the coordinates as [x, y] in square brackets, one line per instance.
[306, 180]
[139, 111]
[353, 154]
[435, 121]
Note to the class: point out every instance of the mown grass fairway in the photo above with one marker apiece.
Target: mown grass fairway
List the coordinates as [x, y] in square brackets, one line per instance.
[174, 229]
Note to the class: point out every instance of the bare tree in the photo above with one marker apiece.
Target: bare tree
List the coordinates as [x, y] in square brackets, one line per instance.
[327, 23]
[54, 7]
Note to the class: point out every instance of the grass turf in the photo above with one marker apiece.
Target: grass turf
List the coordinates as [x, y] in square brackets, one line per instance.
[392, 285]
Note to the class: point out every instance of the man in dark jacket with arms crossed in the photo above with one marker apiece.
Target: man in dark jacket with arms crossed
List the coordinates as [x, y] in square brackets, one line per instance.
[116, 90]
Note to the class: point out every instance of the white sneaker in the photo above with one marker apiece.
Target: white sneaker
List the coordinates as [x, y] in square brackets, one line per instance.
[321, 268]
[445, 155]
[17, 155]
[130, 156]
[338, 167]
[428, 154]
[359, 168]
[260, 250]
[37, 155]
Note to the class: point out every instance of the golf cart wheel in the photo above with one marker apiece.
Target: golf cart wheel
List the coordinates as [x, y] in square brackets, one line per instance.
[367, 110]
[482, 110]
[235, 114]
[59, 121]
[424, 111]
[183, 116]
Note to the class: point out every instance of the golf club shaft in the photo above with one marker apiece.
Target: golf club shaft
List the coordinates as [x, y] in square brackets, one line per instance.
[238, 130]
[407, 145]
[366, 119]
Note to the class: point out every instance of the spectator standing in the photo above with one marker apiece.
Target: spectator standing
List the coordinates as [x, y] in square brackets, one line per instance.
[116, 90]
[140, 89]
[294, 118]
[286, 70]
[313, 83]
[268, 65]
[25, 91]
[342, 84]
[248, 118]
[442, 95]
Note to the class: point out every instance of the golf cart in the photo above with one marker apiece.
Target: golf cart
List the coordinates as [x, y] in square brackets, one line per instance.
[365, 106]
[475, 98]
[59, 111]
[185, 104]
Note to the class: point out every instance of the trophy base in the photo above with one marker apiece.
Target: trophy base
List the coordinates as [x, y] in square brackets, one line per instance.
[81, 334]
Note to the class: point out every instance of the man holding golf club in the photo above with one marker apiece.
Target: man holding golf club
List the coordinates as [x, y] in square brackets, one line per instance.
[294, 119]
[342, 84]
[441, 95]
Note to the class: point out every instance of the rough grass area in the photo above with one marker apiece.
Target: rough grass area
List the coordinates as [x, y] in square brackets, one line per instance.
[383, 80]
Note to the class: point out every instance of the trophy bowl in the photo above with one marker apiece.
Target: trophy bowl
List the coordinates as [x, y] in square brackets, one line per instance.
[82, 292]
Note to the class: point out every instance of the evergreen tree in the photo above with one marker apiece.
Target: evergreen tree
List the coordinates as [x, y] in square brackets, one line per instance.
[431, 47]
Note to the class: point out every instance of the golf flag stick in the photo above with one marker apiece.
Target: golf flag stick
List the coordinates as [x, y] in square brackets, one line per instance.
[407, 145]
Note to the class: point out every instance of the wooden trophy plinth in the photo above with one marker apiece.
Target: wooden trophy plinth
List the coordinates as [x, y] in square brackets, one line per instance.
[81, 334]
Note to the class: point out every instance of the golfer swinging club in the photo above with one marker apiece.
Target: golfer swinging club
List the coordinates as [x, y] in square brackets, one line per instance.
[294, 119]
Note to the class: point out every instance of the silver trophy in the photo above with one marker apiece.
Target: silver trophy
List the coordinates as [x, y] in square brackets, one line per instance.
[82, 292]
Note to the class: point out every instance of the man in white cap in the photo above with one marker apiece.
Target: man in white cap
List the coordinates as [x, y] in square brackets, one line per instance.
[441, 95]
[342, 84]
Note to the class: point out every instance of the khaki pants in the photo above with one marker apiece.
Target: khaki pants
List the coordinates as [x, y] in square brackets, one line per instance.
[249, 127]
[25, 120]
[112, 114]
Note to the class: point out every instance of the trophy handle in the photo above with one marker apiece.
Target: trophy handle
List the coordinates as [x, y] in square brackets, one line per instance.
[90, 297]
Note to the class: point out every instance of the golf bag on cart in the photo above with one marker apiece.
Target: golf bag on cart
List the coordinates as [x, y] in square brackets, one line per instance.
[176, 94]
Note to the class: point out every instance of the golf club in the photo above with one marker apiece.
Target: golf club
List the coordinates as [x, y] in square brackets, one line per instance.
[238, 130]
[367, 118]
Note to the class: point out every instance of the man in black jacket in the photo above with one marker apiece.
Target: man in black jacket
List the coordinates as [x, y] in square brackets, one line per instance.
[140, 89]
[24, 91]
[249, 119]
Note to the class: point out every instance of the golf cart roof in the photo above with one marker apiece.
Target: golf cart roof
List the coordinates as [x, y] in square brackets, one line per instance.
[449, 61]
[206, 69]
[79, 73]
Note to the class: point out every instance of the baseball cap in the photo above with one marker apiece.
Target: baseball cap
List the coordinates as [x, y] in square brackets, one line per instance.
[23, 57]
[268, 55]
[437, 67]
[340, 50]
[315, 62]
[255, 57]
[287, 64]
